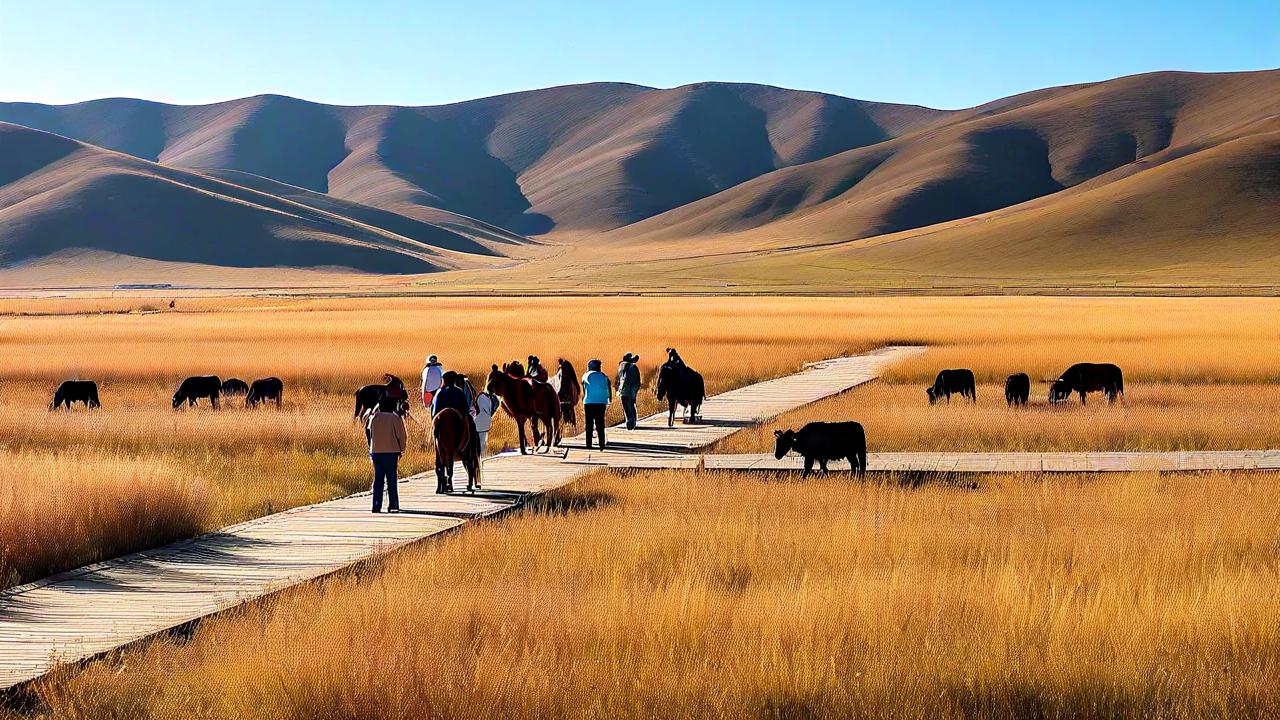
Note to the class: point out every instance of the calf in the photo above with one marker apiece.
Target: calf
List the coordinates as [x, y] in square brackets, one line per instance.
[823, 442]
[234, 386]
[271, 388]
[1017, 388]
[950, 382]
[85, 391]
[196, 387]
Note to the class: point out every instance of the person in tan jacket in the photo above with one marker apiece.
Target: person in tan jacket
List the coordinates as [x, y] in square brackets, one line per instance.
[387, 440]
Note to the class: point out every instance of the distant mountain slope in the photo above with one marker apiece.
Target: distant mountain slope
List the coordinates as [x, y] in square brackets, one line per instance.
[57, 194]
[576, 158]
[980, 160]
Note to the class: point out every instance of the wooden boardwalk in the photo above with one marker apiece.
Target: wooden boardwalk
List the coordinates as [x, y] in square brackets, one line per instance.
[952, 462]
[95, 609]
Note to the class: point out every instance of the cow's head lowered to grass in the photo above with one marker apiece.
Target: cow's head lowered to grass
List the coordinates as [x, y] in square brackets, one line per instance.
[786, 440]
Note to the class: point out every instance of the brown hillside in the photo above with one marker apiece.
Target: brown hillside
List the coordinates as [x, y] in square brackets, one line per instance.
[981, 160]
[585, 157]
[58, 194]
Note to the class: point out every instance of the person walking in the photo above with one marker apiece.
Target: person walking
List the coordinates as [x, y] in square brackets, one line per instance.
[482, 411]
[387, 440]
[629, 386]
[432, 380]
[596, 393]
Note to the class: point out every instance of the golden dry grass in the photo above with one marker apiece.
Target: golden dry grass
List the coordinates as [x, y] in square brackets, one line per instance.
[81, 504]
[668, 594]
[1156, 417]
[250, 463]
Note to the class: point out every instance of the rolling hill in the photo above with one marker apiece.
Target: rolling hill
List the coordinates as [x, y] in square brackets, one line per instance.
[578, 158]
[1157, 178]
[59, 195]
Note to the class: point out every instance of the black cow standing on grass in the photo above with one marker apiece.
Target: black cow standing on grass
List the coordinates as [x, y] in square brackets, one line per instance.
[1017, 389]
[85, 391]
[234, 386]
[824, 442]
[260, 391]
[953, 382]
[1086, 378]
[196, 387]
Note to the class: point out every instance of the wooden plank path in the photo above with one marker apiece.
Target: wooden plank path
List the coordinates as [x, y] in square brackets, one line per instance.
[954, 462]
[79, 614]
[724, 414]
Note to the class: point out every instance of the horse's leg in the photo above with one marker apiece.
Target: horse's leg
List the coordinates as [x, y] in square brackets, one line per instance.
[520, 422]
[671, 412]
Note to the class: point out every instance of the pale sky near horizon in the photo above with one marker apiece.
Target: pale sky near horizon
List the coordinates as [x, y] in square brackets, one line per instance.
[404, 53]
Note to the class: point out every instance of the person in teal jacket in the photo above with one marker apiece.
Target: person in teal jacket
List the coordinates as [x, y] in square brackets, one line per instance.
[597, 390]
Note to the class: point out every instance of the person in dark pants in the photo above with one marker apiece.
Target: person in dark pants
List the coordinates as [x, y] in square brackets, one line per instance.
[596, 393]
[387, 440]
[629, 387]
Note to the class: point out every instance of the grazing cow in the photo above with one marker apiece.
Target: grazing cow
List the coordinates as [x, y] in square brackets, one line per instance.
[1017, 388]
[271, 388]
[823, 442]
[196, 387]
[1086, 378]
[85, 391]
[234, 386]
[950, 382]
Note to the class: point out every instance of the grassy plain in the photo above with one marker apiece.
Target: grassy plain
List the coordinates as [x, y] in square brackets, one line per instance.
[669, 594]
[1200, 372]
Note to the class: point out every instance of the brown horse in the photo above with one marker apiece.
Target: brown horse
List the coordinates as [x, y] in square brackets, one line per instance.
[569, 390]
[524, 399]
[453, 443]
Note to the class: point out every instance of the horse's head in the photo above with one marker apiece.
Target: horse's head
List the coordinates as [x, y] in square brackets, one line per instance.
[494, 383]
[1059, 391]
[785, 441]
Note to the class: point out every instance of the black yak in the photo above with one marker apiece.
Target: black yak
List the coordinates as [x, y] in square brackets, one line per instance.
[823, 442]
[1086, 378]
[85, 391]
[951, 382]
[196, 387]
[1017, 388]
[271, 388]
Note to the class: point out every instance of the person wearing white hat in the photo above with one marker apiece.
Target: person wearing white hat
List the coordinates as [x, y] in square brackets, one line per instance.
[432, 380]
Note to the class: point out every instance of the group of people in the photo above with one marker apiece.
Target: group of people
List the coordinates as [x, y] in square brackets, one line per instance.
[387, 436]
[598, 390]
[440, 389]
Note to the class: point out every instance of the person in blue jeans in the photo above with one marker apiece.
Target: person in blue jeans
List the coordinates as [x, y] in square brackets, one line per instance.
[387, 440]
[596, 393]
[629, 387]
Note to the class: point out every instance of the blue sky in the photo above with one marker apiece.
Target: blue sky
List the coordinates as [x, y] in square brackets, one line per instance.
[411, 53]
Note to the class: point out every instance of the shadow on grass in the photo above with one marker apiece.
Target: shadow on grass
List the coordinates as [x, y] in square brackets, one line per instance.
[569, 500]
